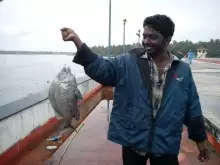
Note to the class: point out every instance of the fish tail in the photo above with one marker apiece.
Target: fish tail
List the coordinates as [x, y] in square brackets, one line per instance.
[67, 125]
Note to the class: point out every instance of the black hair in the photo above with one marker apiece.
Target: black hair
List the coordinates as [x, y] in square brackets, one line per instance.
[160, 23]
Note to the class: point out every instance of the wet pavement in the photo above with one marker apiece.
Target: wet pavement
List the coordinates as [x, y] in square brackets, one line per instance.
[90, 146]
[207, 78]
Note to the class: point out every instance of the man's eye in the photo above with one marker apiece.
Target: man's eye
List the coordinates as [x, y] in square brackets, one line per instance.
[153, 37]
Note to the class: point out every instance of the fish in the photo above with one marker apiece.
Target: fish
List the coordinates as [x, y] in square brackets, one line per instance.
[64, 96]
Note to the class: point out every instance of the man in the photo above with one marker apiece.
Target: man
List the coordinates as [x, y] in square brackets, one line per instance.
[154, 96]
[190, 56]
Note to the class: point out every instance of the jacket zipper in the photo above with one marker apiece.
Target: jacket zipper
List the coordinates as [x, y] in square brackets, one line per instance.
[151, 139]
[153, 128]
[152, 131]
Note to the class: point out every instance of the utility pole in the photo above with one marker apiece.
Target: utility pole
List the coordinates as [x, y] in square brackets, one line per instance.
[109, 29]
[139, 36]
[109, 50]
[124, 22]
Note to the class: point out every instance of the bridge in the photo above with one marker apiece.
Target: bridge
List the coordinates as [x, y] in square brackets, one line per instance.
[90, 144]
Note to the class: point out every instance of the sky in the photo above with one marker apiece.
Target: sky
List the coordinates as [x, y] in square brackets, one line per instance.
[35, 24]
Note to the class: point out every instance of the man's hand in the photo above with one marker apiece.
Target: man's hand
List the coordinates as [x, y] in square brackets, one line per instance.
[204, 154]
[69, 35]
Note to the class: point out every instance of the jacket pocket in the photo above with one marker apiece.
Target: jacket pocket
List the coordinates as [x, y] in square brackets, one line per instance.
[126, 116]
[177, 121]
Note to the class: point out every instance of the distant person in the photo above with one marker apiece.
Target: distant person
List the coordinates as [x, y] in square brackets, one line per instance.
[154, 95]
[190, 56]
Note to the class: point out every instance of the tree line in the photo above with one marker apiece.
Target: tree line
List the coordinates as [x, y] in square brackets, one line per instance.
[34, 52]
[212, 46]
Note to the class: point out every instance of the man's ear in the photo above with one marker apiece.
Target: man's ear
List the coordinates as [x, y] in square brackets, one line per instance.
[167, 40]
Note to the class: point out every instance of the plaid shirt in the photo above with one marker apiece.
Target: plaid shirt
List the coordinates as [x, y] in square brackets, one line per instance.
[158, 83]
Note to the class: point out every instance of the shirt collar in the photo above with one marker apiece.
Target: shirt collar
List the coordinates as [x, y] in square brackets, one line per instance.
[173, 57]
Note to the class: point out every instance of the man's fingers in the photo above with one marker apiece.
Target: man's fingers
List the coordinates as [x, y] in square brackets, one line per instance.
[63, 29]
[65, 33]
[63, 38]
[70, 37]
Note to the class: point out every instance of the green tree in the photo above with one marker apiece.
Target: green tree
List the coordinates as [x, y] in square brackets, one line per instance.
[213, 47]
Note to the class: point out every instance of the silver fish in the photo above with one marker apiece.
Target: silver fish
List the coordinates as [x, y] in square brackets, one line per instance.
[64, 95]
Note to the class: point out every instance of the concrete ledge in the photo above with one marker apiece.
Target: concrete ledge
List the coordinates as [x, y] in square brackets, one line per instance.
[28, 117]
[212, 124]
[40, 133]
[216, 61]
[31, 100]
[213, 130]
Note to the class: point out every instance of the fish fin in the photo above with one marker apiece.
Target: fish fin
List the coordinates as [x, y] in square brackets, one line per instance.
[78, 94]
[67, 124]
[77, 115]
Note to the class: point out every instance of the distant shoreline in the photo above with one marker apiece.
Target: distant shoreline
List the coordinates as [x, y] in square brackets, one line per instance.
[36, 52]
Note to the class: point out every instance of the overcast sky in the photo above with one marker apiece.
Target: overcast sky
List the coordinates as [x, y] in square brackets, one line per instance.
[35, 24]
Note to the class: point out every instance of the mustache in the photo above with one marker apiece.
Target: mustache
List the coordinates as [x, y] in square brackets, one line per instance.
[146, 45]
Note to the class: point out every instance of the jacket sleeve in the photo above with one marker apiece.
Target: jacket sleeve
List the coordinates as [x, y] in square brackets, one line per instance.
[104, 71]
[194, 118]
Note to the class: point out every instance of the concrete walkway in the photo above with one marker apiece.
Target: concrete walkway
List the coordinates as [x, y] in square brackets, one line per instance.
[91, 146]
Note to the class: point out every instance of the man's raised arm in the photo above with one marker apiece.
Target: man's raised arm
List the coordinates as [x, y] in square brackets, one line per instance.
[103, 71]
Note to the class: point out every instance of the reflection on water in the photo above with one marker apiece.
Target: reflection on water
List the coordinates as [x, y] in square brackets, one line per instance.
[22, 75]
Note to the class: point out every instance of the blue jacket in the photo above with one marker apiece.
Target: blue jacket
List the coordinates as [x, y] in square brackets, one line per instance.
[131, 121]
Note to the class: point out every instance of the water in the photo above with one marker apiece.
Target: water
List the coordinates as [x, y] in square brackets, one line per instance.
[22, 75]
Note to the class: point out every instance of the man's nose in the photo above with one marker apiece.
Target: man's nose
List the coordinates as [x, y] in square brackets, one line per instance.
[146, 41]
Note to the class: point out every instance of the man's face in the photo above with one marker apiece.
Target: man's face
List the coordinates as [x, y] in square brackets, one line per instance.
[153, 41]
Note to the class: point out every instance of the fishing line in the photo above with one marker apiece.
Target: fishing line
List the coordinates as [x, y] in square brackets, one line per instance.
[67, 146]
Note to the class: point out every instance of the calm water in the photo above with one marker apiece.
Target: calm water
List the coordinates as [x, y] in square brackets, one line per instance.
[22, 75]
